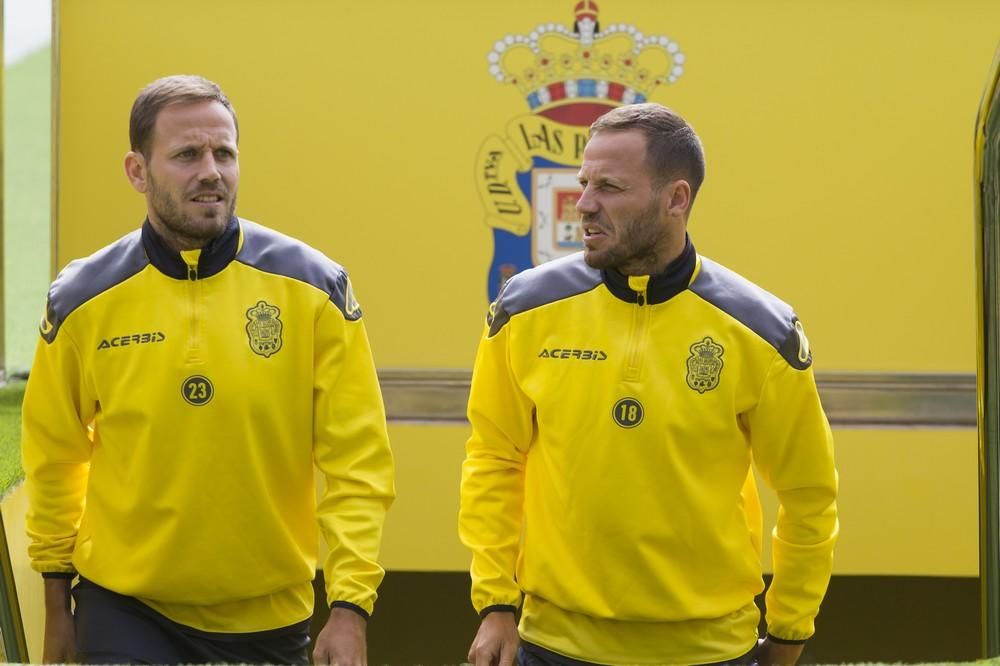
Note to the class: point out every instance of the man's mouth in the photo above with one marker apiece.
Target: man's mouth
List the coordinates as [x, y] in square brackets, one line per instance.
[592, 231]
[209, 198]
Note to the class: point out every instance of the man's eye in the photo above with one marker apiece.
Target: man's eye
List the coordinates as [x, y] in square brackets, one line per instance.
[223, 154]
[186, 154]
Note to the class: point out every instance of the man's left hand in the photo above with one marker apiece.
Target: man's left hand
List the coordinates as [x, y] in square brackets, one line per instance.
[770, 653]
[342, 640]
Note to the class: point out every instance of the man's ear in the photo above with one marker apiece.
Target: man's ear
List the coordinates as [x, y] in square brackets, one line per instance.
[677, 198]
[136, 172]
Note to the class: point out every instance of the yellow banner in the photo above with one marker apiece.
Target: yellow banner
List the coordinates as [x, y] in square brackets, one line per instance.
[500, 158]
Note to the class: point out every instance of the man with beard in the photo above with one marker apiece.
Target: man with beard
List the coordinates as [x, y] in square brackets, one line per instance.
[189, 380]
[617, 400]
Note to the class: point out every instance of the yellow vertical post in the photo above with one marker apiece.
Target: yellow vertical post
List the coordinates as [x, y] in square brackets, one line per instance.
[987, 195]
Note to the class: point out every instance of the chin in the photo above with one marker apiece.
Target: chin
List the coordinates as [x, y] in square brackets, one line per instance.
[594, 259]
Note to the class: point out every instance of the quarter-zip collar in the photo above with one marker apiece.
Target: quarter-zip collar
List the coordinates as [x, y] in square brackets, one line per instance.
[662, 286]
[213, 258]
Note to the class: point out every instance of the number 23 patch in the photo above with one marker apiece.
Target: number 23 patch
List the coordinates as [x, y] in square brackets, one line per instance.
[197, 390]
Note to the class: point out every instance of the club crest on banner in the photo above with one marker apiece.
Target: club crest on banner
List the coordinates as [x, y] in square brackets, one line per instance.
[569, 76]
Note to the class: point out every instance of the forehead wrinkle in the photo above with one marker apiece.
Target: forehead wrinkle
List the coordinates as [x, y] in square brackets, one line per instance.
[200, 138]
[175, 126]
[596, 171]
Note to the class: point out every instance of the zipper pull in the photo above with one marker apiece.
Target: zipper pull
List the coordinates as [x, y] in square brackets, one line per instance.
[639, 284]
[191, 258]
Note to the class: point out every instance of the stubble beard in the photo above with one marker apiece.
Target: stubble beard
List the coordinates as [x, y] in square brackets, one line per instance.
[185, 231]
[633, 251]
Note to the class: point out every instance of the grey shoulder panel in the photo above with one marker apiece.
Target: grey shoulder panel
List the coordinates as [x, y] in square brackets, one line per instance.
[83, 279]
[760, 311]
[273, 252]
[541, 285]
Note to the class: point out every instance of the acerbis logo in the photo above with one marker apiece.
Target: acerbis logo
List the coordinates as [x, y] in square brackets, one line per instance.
[134, 339]
[578, 354]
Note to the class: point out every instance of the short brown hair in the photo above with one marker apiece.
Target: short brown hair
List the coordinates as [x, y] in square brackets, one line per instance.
[673, 150]
[178, 89]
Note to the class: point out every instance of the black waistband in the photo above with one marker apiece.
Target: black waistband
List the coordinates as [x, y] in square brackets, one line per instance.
[541, 657]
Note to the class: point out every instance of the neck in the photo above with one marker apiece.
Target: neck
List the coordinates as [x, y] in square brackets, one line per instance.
[175, 240]
[657, 261]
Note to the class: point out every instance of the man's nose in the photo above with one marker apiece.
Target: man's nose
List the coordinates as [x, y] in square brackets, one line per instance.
[208, 169]
[586, 203]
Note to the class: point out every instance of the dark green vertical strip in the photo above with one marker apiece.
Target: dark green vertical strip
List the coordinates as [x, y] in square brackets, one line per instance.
[3, 272]
[15, 648]
[987, 171]
[4, 633]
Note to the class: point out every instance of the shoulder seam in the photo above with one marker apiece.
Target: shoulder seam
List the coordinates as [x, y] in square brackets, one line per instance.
[83, 303]
[510, 316]
[737, 320]
[775, 347]
[102, 292]
[556, 300]
[329, 296]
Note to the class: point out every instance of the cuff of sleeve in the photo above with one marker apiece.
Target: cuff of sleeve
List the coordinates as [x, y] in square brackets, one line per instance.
[784, 641]
[351, 607]
[66, 575]
[498, 608]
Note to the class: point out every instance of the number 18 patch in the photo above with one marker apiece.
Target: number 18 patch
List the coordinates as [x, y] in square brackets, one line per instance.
[628, 412]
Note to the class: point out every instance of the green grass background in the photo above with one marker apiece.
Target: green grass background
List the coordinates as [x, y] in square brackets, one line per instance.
[27, 236]
[10, 435]
[27, 203]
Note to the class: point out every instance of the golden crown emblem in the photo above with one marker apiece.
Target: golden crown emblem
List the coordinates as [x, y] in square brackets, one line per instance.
[555, 65]
[707, 348]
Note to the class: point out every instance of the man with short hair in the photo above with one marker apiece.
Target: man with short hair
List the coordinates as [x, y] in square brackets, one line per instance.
[617, 400]
[190, 378]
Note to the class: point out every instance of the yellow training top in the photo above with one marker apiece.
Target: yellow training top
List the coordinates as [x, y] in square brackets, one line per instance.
[176, 410]
[607, 476]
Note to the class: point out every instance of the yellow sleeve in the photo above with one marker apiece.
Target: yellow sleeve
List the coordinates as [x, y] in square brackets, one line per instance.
[351, 449]
[56, 450]
[492, 496]
[793, 450]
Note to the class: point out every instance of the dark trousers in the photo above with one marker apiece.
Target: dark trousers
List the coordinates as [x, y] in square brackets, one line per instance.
[533, 655]
[115, 629]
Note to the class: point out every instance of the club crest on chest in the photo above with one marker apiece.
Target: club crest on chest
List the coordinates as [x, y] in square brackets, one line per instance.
[264, 329]
[704, 365]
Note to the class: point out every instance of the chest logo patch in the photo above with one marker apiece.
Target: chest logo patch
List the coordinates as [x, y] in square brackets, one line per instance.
[628, 412]
[704, 365]
[264, 329]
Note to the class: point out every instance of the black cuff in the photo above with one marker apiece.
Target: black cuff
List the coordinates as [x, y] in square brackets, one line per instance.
[498, 608]
[59, 575]
[349, 606]
[784, 641]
